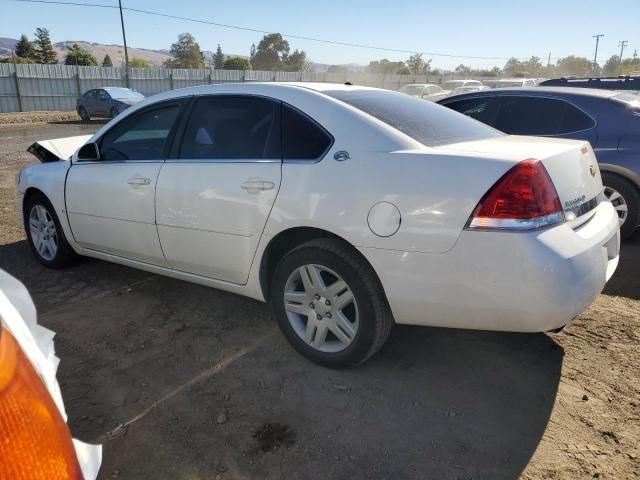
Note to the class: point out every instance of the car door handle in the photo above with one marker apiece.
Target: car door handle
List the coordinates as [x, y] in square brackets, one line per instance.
[253, 186]
[136, 181]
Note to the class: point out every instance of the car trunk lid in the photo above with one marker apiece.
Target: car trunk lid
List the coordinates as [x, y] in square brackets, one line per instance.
[571, 164]
[57, 149]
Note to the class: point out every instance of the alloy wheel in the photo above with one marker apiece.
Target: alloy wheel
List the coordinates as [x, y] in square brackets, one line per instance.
[321, 308]
[618, 202]
[43, 232]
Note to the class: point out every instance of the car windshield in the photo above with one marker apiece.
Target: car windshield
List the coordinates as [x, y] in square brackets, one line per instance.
[124, 93]
[412, 89]
[425, 122]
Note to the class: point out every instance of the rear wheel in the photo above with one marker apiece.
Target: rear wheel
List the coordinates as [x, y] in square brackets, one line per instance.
[329, 304]
[45, 235]
[83, 114]
[625, 199]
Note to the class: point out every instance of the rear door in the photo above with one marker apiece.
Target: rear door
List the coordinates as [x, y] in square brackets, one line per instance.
[102, 104]
[110, 202]
[89, 101]
[215, 194]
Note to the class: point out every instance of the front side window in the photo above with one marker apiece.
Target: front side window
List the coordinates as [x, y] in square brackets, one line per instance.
[90, 95]
[426, 122]
[102, 95]
[232, 127]
[140, 137]
[483, 109]
[302, 138]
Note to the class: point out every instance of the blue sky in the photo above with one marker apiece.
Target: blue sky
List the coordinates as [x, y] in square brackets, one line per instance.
[489, 28]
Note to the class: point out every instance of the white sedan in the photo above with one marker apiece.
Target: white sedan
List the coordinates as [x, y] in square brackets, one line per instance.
[348, 208]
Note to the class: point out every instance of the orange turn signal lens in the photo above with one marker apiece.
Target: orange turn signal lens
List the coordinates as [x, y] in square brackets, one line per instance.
[35, 442]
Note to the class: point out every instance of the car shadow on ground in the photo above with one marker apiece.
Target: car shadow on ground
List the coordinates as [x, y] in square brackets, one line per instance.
[79, 121]
[626, 281]
[196, 374]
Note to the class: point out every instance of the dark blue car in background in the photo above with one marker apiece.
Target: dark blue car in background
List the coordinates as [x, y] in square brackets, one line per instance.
[609, 120]
[106, 102]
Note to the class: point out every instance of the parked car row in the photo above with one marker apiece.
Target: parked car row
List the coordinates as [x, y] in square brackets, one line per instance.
[349, 208]
[433, 92]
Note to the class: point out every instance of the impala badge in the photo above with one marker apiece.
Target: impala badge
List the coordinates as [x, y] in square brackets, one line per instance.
[592, 169]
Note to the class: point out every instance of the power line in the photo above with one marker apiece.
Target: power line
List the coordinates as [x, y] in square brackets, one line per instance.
[256, 30]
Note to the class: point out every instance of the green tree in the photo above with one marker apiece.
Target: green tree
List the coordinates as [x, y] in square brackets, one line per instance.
[106, 62]
[24, 48]
[630, 65]
[418, 65]
[532, 67]
[44, 48]
[14, 59]
[384, 67]
[186, 53]
[139, 63]
[403, 71]
[79, 56]
[218, 59]
[296, 62]
[270, 52]
[252, 54]
[463, 70]
[236, 63]
[512, 68]
[574, 66]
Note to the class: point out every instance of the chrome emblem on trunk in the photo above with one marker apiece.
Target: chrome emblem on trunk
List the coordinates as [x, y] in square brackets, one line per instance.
[592, 169]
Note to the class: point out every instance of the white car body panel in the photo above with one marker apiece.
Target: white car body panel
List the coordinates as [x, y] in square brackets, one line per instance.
[214, 232]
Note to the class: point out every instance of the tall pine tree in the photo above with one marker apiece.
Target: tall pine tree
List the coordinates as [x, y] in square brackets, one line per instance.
[44, 48]
[218, 59]
[107, 61]
[24, 49]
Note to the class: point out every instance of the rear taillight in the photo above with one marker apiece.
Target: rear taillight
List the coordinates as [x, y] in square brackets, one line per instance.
[35, 442]
[523, 199]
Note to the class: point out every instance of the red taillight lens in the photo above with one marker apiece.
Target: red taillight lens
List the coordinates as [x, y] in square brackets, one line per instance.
[35, 443]
[523, 199]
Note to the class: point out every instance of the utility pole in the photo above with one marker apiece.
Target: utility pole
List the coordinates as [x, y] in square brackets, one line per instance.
[549, 60]
[635, 55]
[622, 44]
[595, 56]
[124, 38]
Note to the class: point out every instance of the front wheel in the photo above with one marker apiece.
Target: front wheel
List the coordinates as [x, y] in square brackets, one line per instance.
[45, 235]
[625, 199]
[329, 304]
[83, 114]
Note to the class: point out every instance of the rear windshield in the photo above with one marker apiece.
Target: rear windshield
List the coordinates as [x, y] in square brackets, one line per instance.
[124, 93]
[424, 121]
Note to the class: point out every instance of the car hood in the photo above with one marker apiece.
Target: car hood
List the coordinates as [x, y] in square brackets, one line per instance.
[57, 149]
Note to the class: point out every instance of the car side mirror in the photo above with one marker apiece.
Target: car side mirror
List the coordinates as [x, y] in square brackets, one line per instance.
[89, 151]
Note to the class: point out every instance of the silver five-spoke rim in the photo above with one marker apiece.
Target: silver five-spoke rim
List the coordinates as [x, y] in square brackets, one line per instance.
[618, 202]
[321, 308]
[43, 232]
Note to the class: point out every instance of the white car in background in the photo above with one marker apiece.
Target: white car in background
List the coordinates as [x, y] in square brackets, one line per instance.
[471, 89]
[450, 85]
[348, 208]
[511, 82]
[426, 91]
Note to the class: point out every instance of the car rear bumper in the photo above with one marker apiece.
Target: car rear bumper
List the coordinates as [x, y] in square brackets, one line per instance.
[512, 281]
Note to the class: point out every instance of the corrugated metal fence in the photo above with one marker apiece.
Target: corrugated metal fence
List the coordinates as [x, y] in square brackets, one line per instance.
[27, 88]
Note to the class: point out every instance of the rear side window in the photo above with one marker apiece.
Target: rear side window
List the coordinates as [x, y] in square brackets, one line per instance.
[540, 116]
[140, 137]
[91, 94]
[232, 127]
[424, 121]
[483, 109]
[302, 138]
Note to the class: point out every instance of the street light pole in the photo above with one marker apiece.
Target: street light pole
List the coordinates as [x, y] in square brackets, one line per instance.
[124, 38]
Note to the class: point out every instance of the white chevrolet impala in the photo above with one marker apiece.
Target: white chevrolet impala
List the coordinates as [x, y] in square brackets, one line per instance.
[348, 208]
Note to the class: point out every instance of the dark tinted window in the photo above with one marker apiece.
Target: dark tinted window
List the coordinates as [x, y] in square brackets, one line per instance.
[91, 94]
[540, 116]
[424, 121]
[141, 137]
[484, 109]
[102, 95]
[302, 138]
[232, 127]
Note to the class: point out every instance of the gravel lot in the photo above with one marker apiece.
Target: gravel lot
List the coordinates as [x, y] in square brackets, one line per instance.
[178, 381]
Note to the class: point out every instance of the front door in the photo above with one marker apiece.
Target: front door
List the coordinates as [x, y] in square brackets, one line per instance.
[213, 199]
[110, 202]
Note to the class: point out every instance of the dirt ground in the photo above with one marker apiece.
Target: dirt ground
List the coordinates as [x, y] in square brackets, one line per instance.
[21, 118]
[178, 381]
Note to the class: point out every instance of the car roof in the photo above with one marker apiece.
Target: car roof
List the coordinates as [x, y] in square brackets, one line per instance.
[572, 91]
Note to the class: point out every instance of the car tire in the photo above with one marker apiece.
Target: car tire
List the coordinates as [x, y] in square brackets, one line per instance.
[113, 113]
[83, 114]
[622, 193]
[45, 235]
[344, 333]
